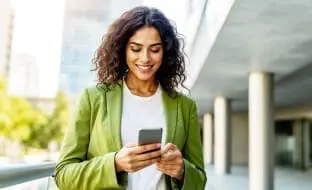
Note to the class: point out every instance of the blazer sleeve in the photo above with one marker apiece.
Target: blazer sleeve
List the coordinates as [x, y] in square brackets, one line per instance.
[194, 170]
[74, 171]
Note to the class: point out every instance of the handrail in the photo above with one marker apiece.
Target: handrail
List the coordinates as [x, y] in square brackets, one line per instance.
[20, 173]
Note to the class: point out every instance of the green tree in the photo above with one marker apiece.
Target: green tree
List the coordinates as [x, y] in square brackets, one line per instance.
[45, 130]
[29, 124]
[21, 122]
[5, 120]
[3, 86]
[59, 118]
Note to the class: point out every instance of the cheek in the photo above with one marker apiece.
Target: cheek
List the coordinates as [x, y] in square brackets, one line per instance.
[130, 58]
[157, 59]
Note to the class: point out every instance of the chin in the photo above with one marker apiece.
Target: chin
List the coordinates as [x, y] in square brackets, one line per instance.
[144, 77]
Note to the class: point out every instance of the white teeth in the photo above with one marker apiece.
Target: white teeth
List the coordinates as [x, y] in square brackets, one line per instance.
[145, 67]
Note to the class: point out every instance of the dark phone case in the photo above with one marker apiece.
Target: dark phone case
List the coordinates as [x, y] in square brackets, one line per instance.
[150, 136]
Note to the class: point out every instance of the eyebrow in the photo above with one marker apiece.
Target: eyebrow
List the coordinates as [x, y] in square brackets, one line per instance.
[138, 44]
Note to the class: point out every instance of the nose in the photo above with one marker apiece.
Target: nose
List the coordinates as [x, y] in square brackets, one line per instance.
[144, 57]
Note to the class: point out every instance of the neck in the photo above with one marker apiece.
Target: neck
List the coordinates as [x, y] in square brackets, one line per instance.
[141, 86]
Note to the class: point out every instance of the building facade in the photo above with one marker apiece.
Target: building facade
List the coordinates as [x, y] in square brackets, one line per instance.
[6, 30]
[84, 26]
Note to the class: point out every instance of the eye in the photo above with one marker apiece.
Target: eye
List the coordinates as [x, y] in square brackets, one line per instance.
[155, 50]
[135, 49]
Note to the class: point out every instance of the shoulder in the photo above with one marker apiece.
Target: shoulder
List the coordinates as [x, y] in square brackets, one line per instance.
[96, 97]
[98, 92]
[100, 89]
[95, 90]
[185, 100]
[185, 103]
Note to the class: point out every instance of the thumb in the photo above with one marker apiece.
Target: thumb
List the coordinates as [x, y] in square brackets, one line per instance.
[130, 145]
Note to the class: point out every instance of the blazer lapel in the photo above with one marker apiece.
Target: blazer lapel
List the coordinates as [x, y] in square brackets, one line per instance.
[114, 109]
[170, 109]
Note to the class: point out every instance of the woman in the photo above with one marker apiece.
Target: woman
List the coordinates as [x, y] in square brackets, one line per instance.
[139, 65]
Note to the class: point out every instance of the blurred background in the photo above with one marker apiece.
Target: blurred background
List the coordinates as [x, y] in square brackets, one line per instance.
[46, 51]
[249, 70]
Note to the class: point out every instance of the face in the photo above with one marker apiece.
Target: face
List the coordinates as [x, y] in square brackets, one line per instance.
[144, 53]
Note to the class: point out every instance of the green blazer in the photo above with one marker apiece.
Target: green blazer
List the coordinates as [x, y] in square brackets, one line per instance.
[93, 137]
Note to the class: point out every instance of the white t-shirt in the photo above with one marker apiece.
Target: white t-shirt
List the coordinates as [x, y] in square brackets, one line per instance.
[137, 113]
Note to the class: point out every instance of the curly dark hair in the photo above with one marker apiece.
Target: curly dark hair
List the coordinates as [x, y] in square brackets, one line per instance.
[110, 58]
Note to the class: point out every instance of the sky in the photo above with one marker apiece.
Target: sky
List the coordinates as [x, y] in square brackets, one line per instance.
[38, 34]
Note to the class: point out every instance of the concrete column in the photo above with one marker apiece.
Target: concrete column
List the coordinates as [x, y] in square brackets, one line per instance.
[208, 138]
[222, 149]
[261, 131]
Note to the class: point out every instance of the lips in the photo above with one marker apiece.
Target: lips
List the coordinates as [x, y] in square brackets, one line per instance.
[144, 68]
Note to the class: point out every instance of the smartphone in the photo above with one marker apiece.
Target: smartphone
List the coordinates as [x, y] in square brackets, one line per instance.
[150, 136]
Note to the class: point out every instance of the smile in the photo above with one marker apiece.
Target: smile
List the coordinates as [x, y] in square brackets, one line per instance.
[144, 67]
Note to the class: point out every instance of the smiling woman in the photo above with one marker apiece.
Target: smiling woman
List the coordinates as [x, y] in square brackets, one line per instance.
[139, 65]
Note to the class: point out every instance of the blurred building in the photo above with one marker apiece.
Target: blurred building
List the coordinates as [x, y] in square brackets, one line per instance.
[84, 26]
[24, 80]
[250, 71]
[6, 30]
[45, 104]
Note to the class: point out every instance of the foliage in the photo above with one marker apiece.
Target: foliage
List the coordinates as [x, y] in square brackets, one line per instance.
[59, 118]
[22, 122]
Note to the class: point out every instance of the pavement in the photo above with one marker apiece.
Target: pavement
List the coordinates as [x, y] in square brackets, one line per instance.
[285, 179]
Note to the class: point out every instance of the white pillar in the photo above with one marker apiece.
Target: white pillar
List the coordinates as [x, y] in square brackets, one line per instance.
[261, 131]
[222, 127]
[208, 138]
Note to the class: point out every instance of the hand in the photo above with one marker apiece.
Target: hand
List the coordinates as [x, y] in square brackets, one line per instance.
[171, 162]
[132, 157]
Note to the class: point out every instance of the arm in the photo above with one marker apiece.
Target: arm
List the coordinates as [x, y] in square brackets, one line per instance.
[74, 171]
[194, 172]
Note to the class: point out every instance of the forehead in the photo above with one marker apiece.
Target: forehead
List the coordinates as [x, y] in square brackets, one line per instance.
[146, 35]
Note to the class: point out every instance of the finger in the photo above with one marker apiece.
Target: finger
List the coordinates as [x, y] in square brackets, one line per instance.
[171, 170]
[147, 156]
[171, 155]
[170, 167]
[145, 148]
[142, 164]
[162, 170]
[168, 147]
[130, 145]
[167, 167]
[172, 162]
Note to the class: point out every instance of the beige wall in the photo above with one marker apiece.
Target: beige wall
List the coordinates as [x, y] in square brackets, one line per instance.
[240, 130]
[240, 139]
[294, 113]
